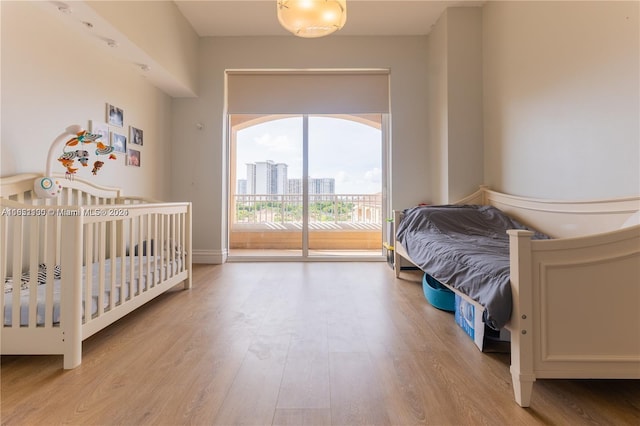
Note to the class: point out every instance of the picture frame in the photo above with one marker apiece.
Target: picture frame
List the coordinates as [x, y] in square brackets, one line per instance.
[133, 157]
[119, 142]
[115, 116]
[101, 129]
[136, 136]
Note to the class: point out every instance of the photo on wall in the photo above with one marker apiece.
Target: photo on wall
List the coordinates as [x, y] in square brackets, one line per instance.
[119, 142]
[101, 129]
[115, 116]
[135, 136]
[133, 157]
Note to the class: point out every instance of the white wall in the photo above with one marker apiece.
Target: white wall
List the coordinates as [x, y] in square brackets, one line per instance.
[198, 173]
[464, 86]
[438, 110]
[160, 30]
[454, 58]
[52, 78]
[561, 98]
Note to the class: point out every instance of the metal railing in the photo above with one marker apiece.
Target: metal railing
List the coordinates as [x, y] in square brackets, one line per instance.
[284, 208]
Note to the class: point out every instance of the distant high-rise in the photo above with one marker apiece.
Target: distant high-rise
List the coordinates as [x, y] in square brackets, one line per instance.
[316, 186]
[295, 186]
[281, 178]
[322, 186]
[251, 178]
[242, 187]
[266, 177]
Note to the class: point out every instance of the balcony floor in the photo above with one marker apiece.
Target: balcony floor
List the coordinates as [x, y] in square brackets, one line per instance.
[313, 226]
[326, 239]
[279, 253]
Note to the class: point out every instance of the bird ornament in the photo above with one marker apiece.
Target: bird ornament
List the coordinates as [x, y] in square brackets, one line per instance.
[81, 140]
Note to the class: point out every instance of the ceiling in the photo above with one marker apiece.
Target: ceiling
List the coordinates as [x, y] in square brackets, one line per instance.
[213, 18]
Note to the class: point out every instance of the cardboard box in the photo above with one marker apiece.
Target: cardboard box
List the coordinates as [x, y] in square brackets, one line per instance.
[468, 316]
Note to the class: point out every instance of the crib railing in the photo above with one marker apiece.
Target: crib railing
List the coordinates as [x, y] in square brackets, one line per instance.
[75, 264]
[110, 264]
[121, 242]
[125, 258]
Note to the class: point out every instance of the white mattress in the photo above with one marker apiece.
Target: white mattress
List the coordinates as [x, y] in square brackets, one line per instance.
[168, 269]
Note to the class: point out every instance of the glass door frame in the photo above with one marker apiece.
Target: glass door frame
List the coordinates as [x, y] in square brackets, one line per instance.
[304, 257]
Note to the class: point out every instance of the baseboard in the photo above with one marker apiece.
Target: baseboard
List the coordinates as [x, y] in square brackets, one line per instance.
[215, 257]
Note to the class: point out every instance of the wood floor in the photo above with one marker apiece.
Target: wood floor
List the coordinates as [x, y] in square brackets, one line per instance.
[294, 344]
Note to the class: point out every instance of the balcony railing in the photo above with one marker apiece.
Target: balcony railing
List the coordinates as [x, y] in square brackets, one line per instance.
[287, 208]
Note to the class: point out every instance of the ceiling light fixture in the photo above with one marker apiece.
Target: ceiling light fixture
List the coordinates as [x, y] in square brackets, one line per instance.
[312, 18]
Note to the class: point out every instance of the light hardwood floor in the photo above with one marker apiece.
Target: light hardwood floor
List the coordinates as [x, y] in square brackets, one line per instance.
[294, 344]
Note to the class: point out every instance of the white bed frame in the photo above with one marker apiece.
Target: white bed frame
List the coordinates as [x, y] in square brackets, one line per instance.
[89, 225]
[576, 298]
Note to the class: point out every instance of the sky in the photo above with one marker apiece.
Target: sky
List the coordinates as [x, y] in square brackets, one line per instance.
[347, 151]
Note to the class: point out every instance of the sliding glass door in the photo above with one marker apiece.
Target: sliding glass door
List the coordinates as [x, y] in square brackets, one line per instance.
[308, 186]
[345, 185]
[265, 215]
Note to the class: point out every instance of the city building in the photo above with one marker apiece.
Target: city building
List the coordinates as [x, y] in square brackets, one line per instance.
[316, 186]
[267, 177]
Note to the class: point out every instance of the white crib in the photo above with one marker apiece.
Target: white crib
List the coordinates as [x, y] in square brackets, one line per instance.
[75, 264]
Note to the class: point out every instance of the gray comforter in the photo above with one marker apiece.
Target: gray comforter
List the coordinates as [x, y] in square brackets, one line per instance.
[467, 247]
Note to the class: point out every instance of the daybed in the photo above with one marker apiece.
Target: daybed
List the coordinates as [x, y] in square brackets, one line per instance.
[575, 298]
[74, 264]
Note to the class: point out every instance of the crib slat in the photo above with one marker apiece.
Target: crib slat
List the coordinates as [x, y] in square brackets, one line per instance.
[162, 246]
[148, 280]
[156, 266]
[96, 242]
[122, 255]
[114, 263]
[131, 257]
[58, 236]
[88, 290]
[52, 246]
[69, 197]
[102, 244]
[176, 245]
[140, 248]
[4, 229]
[71, 292]
[18, 237]
[188, 247]
[183, 233]
[34, 237]
[42, 254]
[172, 252]
[185, 253]
[170, 243]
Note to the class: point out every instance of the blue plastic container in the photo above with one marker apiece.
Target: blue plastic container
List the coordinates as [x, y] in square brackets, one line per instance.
[437, 294]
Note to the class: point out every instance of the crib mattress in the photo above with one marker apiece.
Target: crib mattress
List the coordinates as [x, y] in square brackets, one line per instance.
[122, 292]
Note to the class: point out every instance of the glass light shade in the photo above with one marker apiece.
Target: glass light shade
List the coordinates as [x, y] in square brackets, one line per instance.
[312, 18]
